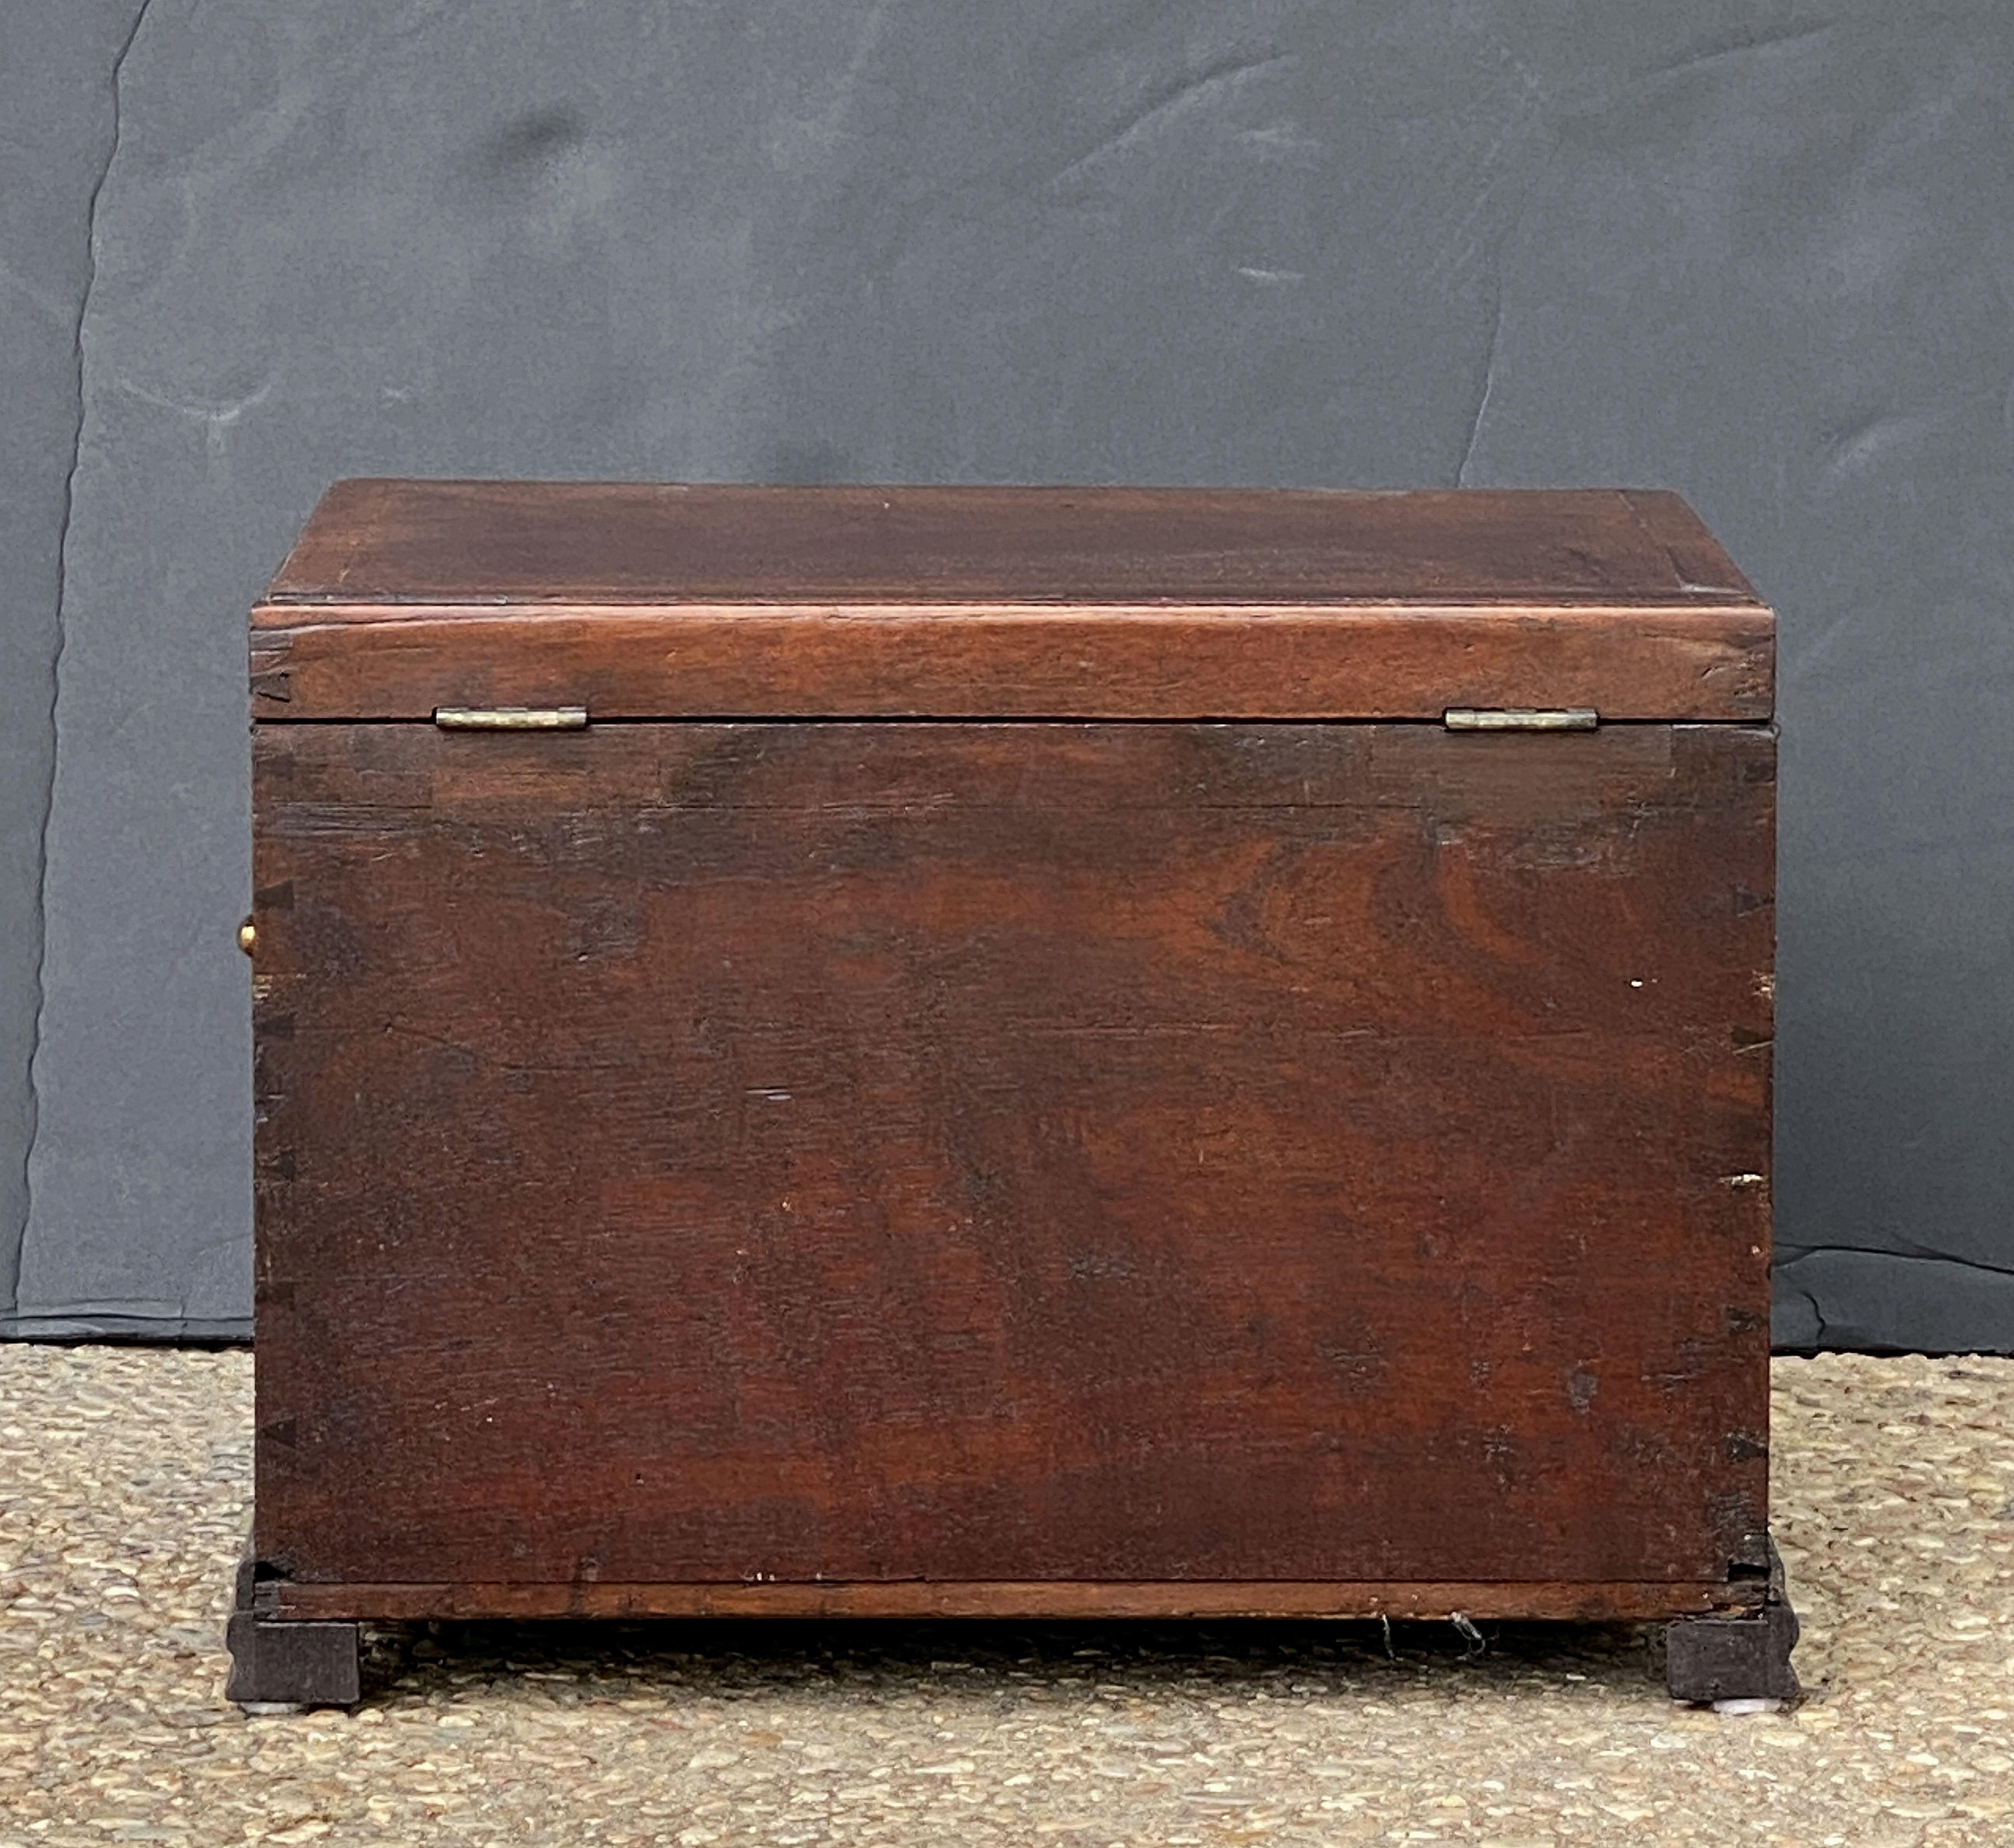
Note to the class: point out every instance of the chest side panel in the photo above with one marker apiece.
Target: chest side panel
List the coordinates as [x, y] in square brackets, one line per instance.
[702, 1151]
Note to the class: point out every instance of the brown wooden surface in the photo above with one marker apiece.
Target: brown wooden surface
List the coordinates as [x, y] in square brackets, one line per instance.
[426, 542]
[640, 601]
[892, 662]
[1009, 1153]
[1040, 1598]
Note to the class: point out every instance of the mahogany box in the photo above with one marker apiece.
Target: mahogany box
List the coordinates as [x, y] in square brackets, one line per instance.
[1028, 1052]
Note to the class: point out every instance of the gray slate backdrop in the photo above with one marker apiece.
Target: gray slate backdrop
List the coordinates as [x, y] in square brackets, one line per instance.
[1761, 251]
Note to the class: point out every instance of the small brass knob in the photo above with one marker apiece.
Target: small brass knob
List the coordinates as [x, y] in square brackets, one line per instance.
[247, 936]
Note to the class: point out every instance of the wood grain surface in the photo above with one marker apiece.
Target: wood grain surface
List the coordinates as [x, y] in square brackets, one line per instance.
[1037, 1598]
[950, 663]
[718, 1153]
[640, 601]
[424, 542]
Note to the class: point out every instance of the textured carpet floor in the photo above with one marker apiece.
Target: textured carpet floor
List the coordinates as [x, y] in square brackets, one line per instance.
[123, 1481]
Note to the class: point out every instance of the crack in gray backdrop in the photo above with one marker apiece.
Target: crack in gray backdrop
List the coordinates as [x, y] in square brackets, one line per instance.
[1761, 253]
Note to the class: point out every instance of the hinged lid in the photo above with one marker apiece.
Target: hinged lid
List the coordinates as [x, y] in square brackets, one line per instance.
[639, 601]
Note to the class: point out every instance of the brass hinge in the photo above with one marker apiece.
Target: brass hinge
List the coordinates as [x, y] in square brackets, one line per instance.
[510, 718]
[1570, 718]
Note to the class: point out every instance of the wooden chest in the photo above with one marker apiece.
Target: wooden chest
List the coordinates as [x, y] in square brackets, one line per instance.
[907, 1051]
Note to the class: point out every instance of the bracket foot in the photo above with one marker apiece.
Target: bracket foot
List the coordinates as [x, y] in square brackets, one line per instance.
[278, 1663]
[1728, 1657]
